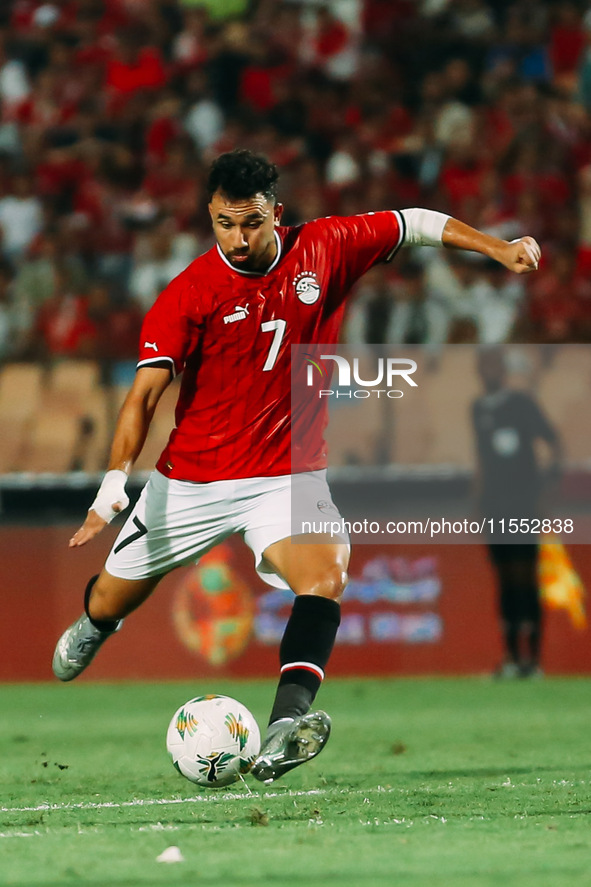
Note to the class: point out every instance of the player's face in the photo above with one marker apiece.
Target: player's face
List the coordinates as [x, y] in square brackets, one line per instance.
[491, 366]
[244, 229]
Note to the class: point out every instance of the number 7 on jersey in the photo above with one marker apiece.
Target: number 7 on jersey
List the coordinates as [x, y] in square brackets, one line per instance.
[278, 328]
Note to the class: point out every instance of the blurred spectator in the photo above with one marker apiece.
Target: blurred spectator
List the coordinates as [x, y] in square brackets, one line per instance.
[409, 324]
[332, 46]
[189, 47]
[522, 46]
[117, 326]
[134, 66]
[229, 56]
[204, 120]
[344, 164]
[14, 80]
[161, 255]
[454, 120]
[64, 326]
[21, 218]
[498, 299]
[173, 185]
[450, 283]
[15, 318]
[567, 44]
[163, 129]
[462, 175]
[559, 306]
[371, 309]
[36, 277]
[389, 308]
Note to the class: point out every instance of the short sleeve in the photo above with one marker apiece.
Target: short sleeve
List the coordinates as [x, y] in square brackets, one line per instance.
[356, 243]
[170, 327]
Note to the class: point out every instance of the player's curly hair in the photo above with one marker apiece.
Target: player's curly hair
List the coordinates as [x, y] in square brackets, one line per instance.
[240, 174]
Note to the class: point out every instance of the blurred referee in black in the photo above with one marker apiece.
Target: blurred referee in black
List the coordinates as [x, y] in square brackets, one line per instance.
[507, 423]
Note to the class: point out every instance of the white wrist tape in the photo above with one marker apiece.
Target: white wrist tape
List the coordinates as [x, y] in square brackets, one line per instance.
[111, 492]
[424, 227]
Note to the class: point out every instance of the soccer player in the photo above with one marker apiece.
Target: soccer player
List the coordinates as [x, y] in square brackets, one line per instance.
[507, 425]
[227, 323]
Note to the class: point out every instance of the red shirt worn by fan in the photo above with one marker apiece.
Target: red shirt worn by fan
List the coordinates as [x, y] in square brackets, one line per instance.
[230, 332]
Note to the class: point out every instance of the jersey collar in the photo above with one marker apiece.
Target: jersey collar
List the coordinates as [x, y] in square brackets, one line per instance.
[254, 273]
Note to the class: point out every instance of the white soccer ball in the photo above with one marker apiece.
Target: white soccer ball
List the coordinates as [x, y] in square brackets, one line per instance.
[212, 740]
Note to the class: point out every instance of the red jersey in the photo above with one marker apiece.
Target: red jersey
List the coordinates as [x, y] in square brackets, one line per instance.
[230, 332]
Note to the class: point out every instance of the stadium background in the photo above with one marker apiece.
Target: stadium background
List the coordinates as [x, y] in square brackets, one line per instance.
[111, 113]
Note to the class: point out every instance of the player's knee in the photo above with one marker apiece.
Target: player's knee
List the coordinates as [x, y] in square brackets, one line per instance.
[331, 584]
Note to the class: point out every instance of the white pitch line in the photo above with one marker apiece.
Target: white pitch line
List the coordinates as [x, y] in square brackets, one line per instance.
[220, 798]
[19, 834]
[153, 802]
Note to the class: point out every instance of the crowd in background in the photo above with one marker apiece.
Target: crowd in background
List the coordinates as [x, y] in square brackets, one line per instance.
[112, 110]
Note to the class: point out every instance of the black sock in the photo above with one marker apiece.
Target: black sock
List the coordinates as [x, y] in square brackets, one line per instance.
[511, 620]
[101, 624]
[533, 624]
[520, 602]
[305, 649]
[512, 632]
[534, 642]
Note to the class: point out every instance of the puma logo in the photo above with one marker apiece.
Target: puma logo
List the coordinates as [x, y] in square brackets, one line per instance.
[151, 345]
[240, 312]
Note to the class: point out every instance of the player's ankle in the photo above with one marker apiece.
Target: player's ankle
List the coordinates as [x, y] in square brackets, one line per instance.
[105, 625]
[291, 701]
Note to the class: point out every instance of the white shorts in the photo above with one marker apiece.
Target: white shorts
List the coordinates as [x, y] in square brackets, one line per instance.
[175, 522]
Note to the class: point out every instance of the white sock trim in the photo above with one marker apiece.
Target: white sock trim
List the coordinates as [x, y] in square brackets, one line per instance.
[309, 666]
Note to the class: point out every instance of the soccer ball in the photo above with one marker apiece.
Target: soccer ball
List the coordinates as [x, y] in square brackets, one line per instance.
[212, 740]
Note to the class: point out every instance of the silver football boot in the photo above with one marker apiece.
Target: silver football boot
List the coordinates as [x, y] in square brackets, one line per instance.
[289, 743]
[77, 647]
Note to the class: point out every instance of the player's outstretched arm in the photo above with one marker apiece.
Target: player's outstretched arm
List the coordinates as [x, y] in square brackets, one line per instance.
[521, 256]
[130, 434]
[425, 227]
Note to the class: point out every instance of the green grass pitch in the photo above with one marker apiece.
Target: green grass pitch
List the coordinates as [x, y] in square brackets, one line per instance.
[424, 782]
